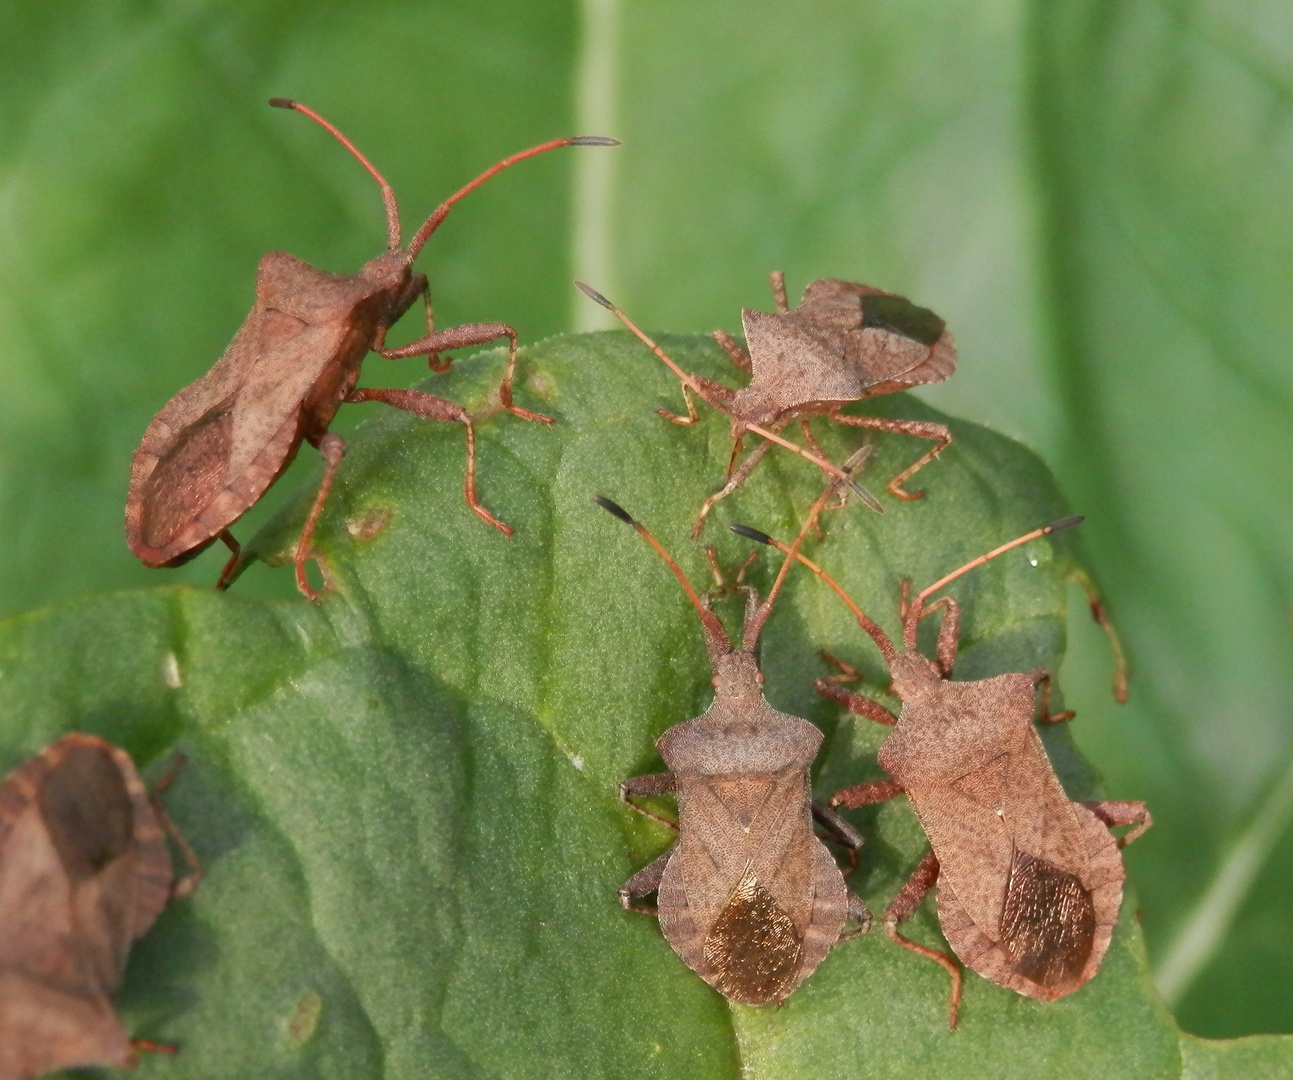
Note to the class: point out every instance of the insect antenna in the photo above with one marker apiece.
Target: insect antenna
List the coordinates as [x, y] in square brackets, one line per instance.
[442, 211]
[696, 388]
[792, 551]
[388, 192]
[915, 608]
[716, 639]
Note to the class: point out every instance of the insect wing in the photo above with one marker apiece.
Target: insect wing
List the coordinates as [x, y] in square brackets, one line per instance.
[892, 342]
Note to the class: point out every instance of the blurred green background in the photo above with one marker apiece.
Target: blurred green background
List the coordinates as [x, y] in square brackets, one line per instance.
[1094, 195]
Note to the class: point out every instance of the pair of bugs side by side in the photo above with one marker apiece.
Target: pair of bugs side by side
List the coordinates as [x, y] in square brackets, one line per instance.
[1029, 881]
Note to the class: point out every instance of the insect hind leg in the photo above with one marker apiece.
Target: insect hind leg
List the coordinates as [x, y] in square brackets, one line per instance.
[902, 907]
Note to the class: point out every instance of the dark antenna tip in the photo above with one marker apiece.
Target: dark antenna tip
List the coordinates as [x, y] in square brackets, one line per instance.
[594, 140]
[613, 508]
[282, 103]
[1065, 523]
[751, 534]
[594, 295]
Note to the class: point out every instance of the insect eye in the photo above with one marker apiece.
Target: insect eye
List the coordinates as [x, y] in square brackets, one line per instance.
[758, 678]
[714, 681]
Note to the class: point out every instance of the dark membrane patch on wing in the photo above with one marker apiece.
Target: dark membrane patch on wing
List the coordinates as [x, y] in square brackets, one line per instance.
[1047, 922]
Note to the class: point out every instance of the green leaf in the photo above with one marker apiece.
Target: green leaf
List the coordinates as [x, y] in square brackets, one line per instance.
[405, 797]
[1094, 196]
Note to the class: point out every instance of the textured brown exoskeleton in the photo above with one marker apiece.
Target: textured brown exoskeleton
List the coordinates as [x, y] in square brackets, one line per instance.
[845, 342]
[749, 897]
[1029, 882]
[85, 869]
[219, 444]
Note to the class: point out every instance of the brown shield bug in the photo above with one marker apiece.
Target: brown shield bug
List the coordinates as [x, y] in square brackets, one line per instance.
[85, 869]
[845, 342]
[219, 444]
[1029, 881]
[748, 897]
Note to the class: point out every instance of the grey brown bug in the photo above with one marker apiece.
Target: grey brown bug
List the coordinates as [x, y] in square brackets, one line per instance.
[219, 444]
[844, 343]
[748, 897]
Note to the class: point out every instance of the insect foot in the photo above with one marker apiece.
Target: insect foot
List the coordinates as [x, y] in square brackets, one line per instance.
[748, 897]
[85, 869]
[768, 426]
[844, 343]
[1029, 881]
[218, 445]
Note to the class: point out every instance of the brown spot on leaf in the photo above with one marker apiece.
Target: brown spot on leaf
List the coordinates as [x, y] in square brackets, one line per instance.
[369, 527]
[304, 1019]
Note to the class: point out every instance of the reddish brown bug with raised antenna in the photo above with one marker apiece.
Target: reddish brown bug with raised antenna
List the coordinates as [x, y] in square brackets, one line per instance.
[85, 870]
[1029, 882]
[748, 897]
[219, 444]
[845, 342]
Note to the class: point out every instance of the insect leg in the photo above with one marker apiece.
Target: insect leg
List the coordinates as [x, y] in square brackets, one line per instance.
[949, 633]
[867, 794]
[181, 887]
[902, 907]
[841, 832]
[652, 784]
[430, 407]
[939, 434]
[1042, 678]
[150, 1047]
[226, 575]
[732, 347]
[854, 702]
[333, 449]
[734, 481]
[777, 279]
[460, 337]
[644, 883]
[1114, 812]
[1082, 579]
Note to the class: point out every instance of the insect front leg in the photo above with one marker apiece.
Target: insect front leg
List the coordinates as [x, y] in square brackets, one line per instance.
[644, 883]
[638, 787]
[939, 434]
[333, 449]
[828, 686]
[713, 389]
[738, 477]
[1114, 813]
[430, 407]
[732, 347]
[460, 337]
[902, 907]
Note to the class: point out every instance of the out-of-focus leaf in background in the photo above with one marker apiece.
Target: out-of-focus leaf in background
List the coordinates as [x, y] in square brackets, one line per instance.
[1095, 196]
